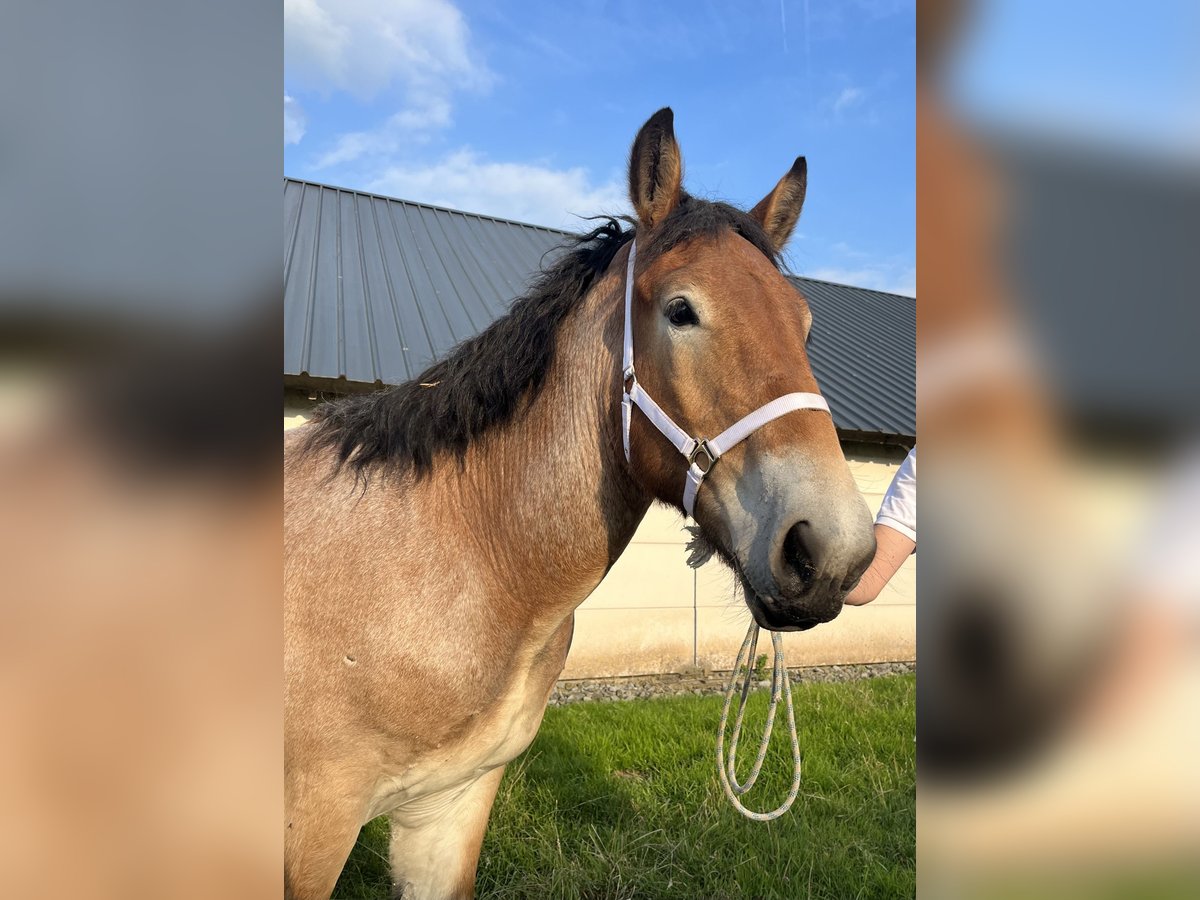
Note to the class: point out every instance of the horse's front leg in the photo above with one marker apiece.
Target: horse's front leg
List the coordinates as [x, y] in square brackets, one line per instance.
[436, 840]
[323, 809]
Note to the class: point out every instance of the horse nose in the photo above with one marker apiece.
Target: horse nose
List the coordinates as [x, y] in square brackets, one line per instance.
[809, 549]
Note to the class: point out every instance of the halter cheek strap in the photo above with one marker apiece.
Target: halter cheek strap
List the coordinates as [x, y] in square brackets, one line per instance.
[700, 454]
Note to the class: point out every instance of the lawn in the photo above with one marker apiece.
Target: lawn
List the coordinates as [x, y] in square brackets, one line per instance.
[621, 799]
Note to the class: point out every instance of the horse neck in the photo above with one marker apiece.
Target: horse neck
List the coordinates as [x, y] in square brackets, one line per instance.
[550, 499]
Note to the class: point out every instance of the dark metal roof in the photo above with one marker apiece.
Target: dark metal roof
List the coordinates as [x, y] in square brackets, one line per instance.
[375, 289]
[863, 350]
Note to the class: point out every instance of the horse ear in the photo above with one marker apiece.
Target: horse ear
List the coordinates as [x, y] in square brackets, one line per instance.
[778, 211]
[655, 169]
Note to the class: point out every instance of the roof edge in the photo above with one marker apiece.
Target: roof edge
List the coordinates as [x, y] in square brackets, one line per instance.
[853, 287]
[433, 206]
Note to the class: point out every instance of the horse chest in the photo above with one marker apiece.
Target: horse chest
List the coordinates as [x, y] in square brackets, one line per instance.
[510, 726]
[513, 726]
[490, 736]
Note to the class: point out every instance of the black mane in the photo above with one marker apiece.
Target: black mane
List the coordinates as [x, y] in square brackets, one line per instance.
[485, 380]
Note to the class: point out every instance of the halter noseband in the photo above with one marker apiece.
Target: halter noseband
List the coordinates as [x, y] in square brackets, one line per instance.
[701, 454]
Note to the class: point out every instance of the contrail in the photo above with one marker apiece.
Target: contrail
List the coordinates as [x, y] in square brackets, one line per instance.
[807, 55]
[783, 22]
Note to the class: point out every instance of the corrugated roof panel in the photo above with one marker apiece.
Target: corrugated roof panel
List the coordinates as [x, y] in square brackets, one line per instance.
[490, 284]
[425, 330]
[464, 274]
[445, 322]
[325, 331]
[499, 253]
[415, 306]
[299, 283]
[376, 289]
[533, 241]
[391, 318]
[293, 192]
[358, 352]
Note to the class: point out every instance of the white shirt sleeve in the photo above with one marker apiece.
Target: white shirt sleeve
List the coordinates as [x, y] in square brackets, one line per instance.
[1167, 563]
[899, 508]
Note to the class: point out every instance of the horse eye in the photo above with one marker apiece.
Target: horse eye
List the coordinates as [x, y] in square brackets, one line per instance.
[680, 313]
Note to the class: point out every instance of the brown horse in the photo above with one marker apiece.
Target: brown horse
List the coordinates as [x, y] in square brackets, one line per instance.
[439, 535]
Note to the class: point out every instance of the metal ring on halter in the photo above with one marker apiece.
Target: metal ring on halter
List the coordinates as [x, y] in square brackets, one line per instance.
[702, 448]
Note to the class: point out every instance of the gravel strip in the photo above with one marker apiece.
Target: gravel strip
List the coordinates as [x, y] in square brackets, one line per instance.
[672, 684]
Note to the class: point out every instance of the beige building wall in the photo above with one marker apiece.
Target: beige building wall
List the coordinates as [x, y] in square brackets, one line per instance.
[296, 409]
[654, 614]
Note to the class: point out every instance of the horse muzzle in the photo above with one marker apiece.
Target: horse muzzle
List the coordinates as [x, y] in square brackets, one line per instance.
[813, 571]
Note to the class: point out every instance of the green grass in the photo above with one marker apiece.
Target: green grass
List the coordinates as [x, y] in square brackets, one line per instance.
[621, 799]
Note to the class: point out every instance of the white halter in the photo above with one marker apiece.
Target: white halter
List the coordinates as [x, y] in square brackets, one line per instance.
[701, 454]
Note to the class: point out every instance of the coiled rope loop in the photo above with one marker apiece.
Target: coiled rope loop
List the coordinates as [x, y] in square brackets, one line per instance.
[781, 685]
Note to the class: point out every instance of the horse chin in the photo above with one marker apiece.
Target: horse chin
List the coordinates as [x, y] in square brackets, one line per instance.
[769, 609]
[773, 614]
[769, 621]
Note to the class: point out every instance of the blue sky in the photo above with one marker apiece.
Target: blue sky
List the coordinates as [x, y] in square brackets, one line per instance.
[1126, 77]
[526, 110]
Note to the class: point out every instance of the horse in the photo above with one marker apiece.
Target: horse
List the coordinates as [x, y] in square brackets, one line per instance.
[440, 534]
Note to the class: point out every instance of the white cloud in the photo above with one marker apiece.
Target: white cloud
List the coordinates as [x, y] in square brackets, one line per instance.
[850, 96]
[294, 121]
[313, 43]
[893, 278]
[364, 46]
[522, 191]
[409, 126]
[417, 51]
[843, 249]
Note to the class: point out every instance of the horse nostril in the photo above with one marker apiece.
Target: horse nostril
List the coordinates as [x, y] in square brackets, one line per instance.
[796, 555]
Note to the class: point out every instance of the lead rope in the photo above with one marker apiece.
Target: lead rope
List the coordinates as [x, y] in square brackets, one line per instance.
[780, 685]
[700, 552]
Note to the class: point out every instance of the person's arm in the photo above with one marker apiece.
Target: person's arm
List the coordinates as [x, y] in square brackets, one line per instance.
[891, 550]
[895, 533]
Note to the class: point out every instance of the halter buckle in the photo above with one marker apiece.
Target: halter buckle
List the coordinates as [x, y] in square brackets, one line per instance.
[694, 457]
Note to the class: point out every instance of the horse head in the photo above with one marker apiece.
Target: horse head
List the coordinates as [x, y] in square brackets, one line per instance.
[719, 332]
